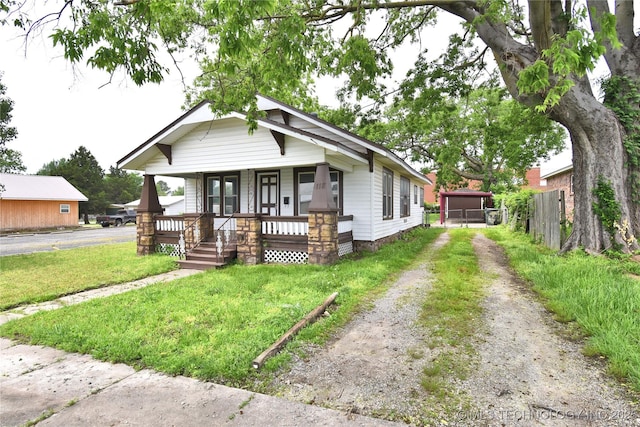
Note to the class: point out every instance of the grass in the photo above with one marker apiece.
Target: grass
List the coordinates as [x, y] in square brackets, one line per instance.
[44, 276]
[433, 218]
[212, 325]
[451, 313]
[596, 293]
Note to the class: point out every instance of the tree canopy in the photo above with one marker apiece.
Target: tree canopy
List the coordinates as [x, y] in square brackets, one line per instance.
[162, 188]
[10, 160]
[7, 133]
[82, 171]
[484, 136]
[122, 187]
[543, 49]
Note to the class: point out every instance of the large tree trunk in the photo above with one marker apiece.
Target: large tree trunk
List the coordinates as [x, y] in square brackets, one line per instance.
[596, 133]
[598, 151]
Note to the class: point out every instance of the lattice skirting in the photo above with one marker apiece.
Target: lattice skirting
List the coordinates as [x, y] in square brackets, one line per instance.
[285, 257]
[170, 249]
[345, 248]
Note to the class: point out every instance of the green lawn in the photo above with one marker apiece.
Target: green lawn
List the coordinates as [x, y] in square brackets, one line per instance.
[212, 325]
[45, 276]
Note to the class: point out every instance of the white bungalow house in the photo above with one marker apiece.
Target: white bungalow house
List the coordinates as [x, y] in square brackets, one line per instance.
[269, 186]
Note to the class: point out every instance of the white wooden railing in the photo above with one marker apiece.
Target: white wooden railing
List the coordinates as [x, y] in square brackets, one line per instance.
[345, 224]
[286, 226]
[170, 223]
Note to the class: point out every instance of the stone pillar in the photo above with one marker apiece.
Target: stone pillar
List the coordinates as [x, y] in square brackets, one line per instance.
[323, 220]
[145, 217]
[249, 236]
[323, 237]
[145, 233]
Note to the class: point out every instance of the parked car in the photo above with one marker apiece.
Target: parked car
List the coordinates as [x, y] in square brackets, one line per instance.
[122, 217]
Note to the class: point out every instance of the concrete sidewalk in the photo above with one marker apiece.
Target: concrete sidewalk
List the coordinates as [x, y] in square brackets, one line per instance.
[64, 389]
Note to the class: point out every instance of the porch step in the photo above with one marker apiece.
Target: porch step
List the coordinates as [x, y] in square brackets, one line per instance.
[199, 265]
[205, 257]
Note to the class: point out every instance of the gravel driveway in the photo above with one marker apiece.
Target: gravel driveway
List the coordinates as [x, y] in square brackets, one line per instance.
[526, 373]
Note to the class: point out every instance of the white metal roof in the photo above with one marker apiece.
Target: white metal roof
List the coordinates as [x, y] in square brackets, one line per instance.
[165, 201]
[38, 187]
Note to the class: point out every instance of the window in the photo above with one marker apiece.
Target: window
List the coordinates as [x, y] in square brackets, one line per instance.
[304, 189]
[422, 196]
[65, 208]
[223, 194]
[405, 197]
[415, 194]
[387, 194]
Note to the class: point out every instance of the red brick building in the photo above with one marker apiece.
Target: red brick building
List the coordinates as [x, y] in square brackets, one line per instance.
[562, 179]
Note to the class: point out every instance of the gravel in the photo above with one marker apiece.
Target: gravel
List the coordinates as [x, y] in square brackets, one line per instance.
[525, 371]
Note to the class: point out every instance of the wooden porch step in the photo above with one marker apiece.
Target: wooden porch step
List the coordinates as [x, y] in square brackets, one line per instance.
[205, 257]
[199, 265]
[197, 255]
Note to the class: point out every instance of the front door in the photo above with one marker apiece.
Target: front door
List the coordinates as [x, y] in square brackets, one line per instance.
[268, 194]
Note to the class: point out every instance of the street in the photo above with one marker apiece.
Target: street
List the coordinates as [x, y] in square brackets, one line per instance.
[42, 242]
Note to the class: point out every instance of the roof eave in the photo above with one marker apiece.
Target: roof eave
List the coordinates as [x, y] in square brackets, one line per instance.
[557, 172]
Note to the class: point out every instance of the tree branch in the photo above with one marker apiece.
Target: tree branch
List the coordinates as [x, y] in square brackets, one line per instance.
[125, 2]
[49, 17]
[335, 12]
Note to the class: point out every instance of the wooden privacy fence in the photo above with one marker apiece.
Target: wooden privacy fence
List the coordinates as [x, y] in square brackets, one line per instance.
[547, 216]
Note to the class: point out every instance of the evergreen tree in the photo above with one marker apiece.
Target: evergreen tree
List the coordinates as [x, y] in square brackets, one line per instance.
[122, 187]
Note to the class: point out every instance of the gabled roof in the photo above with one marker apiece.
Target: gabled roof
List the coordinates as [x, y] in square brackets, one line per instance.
[343, 141]
[38, 187]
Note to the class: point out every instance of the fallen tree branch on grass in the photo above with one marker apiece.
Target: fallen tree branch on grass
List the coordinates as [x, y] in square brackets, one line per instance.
[277, 346]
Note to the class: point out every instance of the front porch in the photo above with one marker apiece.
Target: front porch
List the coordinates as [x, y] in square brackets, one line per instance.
[207, 241]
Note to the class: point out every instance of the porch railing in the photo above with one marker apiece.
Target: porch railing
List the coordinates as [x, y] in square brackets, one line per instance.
[224, 235]
[168, 230]
[285, 225]
[194, 233]
[345, 224]
[345, 235]
[280, 234]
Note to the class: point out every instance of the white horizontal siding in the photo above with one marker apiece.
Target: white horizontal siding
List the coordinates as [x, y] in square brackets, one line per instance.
[226, 145]
[357, 201]
[388, 227]
[190, 195]
[286, 190]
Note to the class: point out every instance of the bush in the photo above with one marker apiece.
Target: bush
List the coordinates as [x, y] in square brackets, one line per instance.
[518, 207]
